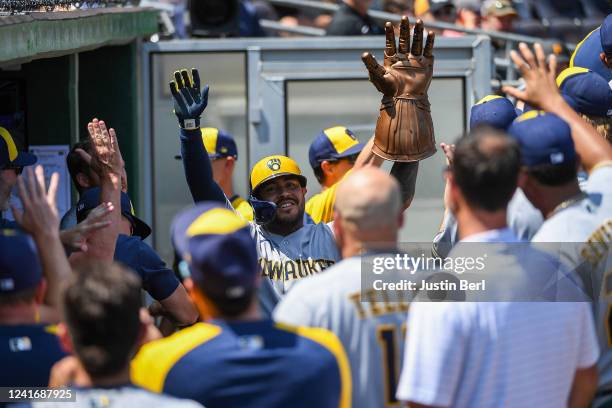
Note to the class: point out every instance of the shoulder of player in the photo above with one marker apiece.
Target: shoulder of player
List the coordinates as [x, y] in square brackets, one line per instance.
[317, 339]
[154, 359]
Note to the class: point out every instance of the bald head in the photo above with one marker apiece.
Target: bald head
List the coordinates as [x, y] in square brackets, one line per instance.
[370, 199]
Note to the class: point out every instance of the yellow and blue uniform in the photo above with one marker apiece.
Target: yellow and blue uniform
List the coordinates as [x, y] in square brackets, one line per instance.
[242, 207]
[320, 207]
[247, 364]
[27, 353]
[331, 144]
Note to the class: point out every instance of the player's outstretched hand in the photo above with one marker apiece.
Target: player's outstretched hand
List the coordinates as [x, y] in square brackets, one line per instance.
[189, 100]
[106, 160]
[76, 238]
[541, 88]
[407, 70]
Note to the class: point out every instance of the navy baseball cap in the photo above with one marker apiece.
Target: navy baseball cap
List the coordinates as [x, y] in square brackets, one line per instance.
[20, 267]
[332, 144]
[218, 143]
[544, 138]
[492, 110]
[217, 245]
[605, 34]
[9, 155]
[91, 199]
[585, 91]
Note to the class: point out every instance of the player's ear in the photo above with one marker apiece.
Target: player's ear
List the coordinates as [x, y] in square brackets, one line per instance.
[64, 338]
[230, 162]
[400, 218]
[326, 168]
[602, 57]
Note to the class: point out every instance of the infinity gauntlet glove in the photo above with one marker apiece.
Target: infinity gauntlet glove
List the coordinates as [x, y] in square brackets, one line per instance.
[404, 130]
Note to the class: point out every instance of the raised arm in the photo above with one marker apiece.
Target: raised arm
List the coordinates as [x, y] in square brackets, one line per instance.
[404, 130]
[542, 92]
[107, 163]
[189, 103]
[40, 219]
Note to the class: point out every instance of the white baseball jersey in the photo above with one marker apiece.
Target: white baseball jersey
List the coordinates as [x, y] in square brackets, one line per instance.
[371, 332]
[586, 227]
[497, 354]
[286, 259]
[523, 218]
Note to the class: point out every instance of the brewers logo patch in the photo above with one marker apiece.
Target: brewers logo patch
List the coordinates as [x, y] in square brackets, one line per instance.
[274, 164]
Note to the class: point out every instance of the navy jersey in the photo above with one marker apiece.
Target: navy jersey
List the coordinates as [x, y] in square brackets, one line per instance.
[248, 364]
[27, 353]
[159, 281]
[587, 53]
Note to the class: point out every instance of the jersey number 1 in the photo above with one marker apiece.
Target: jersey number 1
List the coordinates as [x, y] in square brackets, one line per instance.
[387, 337]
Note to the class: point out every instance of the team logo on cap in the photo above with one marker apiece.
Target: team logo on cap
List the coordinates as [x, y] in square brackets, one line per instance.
[350, 134]
[274, 164]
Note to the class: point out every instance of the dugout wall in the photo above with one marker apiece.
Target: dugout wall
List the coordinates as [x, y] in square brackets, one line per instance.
[275, 95]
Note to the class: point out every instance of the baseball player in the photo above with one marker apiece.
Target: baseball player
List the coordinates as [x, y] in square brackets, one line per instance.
[595, 51]
[332, 154]
[12, 162]
[29, 347]
[131, 250]
[523, 218]
[368, 215]
[223, 153]
[586, 93]
[552, 144]
[289, 249]
[238, 358]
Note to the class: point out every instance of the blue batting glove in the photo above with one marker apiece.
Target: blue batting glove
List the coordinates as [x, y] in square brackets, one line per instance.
[189, 102]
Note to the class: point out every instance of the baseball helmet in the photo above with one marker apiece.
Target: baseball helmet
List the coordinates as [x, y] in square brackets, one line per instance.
[265, 170]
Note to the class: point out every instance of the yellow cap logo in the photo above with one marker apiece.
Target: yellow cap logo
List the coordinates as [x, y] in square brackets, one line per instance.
[273, 166]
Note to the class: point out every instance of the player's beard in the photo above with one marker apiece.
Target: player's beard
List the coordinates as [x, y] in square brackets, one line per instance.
[284, 224]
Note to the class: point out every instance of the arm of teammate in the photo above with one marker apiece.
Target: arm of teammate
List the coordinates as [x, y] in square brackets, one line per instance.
[585, 380]
[189, 103]
[40, 219]
[107, 163]
[162, 284]
[542, 92]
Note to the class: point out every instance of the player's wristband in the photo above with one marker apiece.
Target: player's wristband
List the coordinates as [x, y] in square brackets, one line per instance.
[190, 124]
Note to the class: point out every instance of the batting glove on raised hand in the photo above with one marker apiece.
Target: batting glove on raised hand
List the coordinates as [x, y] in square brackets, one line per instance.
[189, 102]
